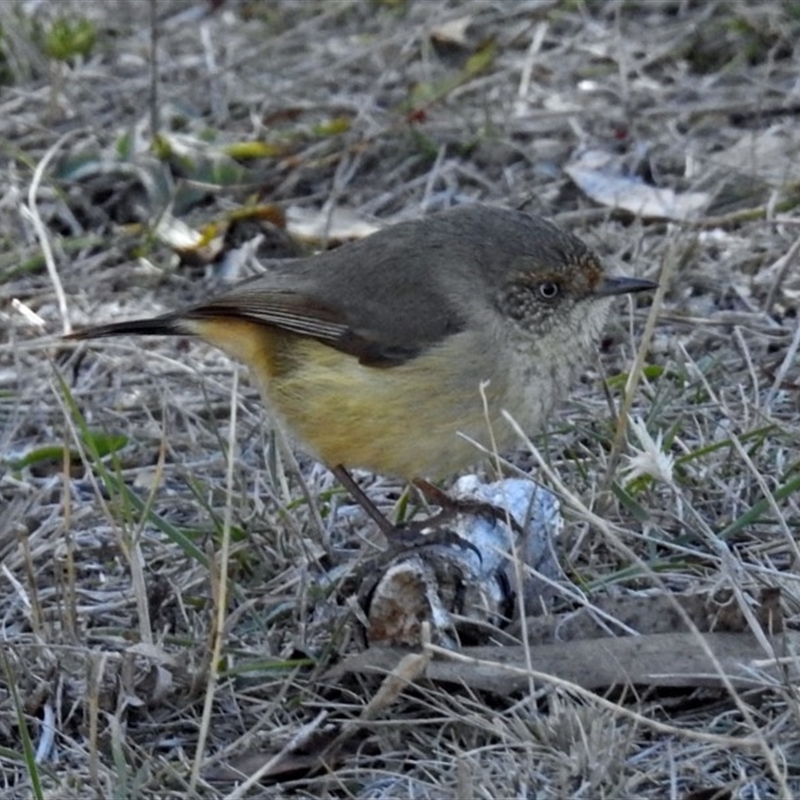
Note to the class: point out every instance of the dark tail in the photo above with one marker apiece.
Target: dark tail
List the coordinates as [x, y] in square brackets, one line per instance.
[168, 325]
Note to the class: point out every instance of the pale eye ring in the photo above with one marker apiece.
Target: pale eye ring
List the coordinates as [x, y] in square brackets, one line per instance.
[549, 290]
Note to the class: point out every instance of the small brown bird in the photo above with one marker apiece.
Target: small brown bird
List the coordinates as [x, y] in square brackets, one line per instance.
[374, 354]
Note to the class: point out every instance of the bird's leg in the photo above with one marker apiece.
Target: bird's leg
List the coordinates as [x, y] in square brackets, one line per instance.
[464, 505]
[410, 533]
[361, 497]
[407, 534]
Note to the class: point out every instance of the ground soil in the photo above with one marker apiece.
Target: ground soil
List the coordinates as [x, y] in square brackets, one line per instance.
[151, 153]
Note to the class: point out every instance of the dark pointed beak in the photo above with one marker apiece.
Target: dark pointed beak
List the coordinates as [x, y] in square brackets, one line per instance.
[611, 286]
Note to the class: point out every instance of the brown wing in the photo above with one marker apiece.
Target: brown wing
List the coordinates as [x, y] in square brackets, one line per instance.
[382, 299]
[370, 339]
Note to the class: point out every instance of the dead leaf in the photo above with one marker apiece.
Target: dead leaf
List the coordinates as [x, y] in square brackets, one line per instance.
[316, 227]
[597, 176]
[452, 32]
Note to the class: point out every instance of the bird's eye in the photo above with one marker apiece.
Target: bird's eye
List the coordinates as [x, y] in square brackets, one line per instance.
[549, 290]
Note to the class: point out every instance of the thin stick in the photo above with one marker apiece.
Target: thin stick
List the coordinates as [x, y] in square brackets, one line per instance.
[221, 596]
[31, 213]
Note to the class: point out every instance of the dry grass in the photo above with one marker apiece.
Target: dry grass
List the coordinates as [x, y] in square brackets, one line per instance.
[127, 656]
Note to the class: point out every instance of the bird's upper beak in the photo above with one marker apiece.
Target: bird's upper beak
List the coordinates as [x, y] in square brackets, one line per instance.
[611, 286]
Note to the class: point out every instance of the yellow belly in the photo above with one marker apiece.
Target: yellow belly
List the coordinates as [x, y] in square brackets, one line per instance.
[402, 420]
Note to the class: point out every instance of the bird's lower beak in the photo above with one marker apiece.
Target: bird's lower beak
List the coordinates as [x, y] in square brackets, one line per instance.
[612, 286]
